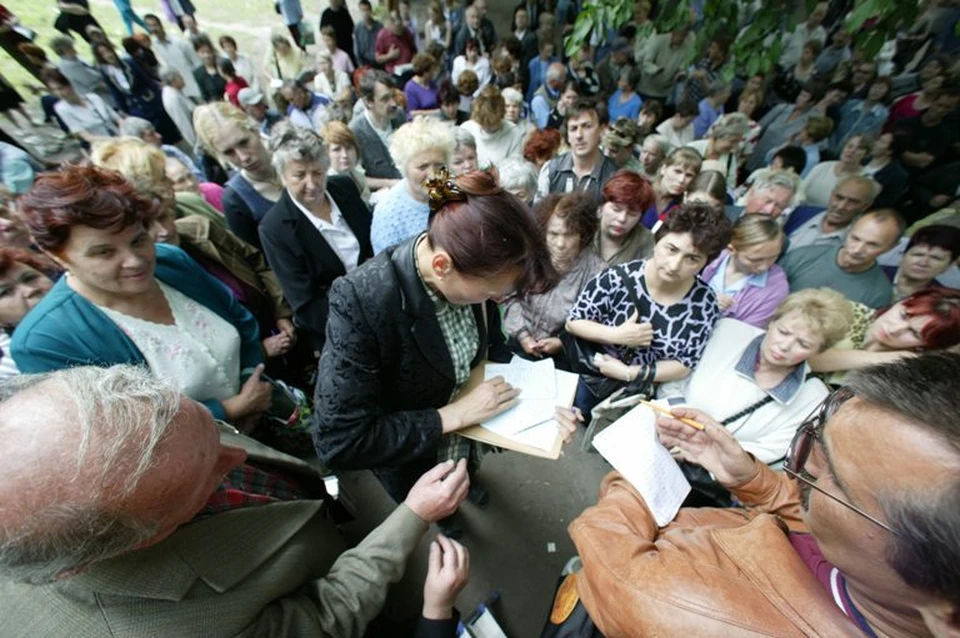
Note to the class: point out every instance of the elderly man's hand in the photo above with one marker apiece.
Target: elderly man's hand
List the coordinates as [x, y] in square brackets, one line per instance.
[440, 491]
[712, 448]
[447, 574]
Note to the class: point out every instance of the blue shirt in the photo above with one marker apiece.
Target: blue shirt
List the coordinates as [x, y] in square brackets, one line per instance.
[541, 109]
[398, 216]
[538, 74]
[708, 115]
[629, 109]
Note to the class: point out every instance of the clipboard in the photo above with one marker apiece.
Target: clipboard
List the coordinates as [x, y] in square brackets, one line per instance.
[478, 433]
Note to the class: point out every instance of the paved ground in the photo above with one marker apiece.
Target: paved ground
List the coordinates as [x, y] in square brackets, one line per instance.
[532, 501]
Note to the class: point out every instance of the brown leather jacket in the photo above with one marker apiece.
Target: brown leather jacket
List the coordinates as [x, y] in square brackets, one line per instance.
[711, 572]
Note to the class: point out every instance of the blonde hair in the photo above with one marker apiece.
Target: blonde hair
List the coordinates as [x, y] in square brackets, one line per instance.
[753, 229]
[488, 108]
[336, 132]
[421, 135]
[685, 157]
[144, 165]
[825, 311]
[209, 120]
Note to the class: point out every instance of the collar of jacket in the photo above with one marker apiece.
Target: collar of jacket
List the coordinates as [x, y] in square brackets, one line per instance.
[416, 302]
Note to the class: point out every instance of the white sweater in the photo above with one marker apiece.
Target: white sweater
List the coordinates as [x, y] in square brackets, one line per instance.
[493, 148]
[718, 389]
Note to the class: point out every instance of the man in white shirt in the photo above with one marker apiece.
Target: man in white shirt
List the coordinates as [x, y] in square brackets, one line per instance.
[84, 77]
[175, 54]
[805, 32]
[177, 105]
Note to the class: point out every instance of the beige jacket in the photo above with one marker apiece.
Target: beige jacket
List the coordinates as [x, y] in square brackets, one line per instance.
[272, 570]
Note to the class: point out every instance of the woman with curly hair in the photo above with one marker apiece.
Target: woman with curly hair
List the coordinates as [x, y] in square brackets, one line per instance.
[651, 318]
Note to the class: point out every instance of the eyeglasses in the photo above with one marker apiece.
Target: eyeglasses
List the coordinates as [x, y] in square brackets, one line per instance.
[808, 436]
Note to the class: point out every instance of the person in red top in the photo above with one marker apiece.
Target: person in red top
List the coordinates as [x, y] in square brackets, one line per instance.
[394, 45]
[234, 81]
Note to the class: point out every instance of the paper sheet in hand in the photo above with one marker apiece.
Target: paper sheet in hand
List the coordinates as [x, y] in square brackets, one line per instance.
[535, 379]
[630, 444]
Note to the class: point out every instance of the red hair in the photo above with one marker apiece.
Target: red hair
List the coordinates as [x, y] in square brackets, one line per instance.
[942, 305]
[541, 145]
[82, 195]
[492, 232]
[11, 256]
[629, 189]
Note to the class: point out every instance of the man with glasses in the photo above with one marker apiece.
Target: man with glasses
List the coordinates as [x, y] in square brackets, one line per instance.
[860, 536]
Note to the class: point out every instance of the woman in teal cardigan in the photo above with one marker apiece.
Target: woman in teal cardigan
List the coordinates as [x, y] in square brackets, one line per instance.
[126, 300]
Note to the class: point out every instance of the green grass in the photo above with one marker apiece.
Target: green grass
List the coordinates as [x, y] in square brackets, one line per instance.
[249, 21]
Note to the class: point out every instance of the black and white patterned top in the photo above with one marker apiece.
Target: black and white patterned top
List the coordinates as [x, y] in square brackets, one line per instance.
[680, 331]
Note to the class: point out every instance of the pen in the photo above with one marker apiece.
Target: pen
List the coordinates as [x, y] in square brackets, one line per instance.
[665, 412]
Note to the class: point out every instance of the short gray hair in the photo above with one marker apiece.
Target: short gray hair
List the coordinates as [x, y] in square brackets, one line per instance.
[517, 174]
[556, 71]
[776, 179]
[135, 126]
[288, 142]
[661, 141]
[866, 180]
[122, 414]
[463, 137]
[512, 95]
[729, 126]
[167, 75]
[61, 44]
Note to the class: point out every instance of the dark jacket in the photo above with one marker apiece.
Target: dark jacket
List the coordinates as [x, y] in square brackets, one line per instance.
[386, 370]
[302, 259]
[374, 155]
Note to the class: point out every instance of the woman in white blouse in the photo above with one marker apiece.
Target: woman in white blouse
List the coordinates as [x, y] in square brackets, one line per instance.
[329, 81]
[126, 300]
[472, 60]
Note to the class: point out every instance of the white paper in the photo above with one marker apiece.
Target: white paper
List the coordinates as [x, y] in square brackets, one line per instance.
[535, 379]
[524, 427]
[631, 446]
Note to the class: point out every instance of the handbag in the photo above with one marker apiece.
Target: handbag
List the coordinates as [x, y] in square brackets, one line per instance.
[705, 491]
[580, 353]
[286, 425]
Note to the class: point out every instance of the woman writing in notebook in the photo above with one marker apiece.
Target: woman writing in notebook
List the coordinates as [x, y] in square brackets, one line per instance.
[405, 329]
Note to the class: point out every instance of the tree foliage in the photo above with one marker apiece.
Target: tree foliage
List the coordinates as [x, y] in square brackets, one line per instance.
[758, 42]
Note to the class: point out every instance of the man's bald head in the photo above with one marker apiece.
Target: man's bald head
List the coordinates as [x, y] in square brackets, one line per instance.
[74, 444]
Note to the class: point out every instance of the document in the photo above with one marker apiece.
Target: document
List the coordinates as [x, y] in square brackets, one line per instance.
[631, 446]
[535, 379]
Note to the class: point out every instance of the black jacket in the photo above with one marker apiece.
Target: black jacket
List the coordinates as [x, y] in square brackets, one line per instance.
[386, 370]
[302, 259]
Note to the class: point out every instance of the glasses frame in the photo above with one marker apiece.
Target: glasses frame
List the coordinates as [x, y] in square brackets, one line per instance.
[808, 436]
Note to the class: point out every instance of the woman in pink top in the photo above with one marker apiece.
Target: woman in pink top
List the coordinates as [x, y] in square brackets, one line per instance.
[341, 61]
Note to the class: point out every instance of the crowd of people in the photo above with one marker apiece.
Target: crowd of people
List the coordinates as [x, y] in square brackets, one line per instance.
[305, 256]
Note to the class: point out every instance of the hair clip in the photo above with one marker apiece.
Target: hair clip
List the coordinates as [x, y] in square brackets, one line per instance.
[441, 190]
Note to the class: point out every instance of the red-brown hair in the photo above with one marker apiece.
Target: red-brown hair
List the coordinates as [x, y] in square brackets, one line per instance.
[492, 232]
[577, 210]
[11, 256]
[541, 145]
[82, 195]
[942, 305]
[629, 189]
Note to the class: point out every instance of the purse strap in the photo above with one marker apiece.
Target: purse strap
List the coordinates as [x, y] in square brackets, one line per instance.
[634, 298]
[750, 409]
